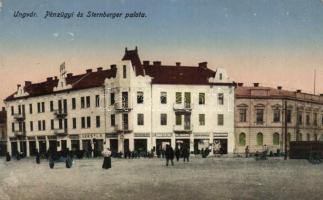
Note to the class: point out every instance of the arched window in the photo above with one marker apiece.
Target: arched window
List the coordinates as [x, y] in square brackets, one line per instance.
[260, 139]
[308, 137]
[242, 139]
[276, 139]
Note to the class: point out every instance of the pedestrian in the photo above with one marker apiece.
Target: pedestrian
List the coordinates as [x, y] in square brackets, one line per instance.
[203, 153]
[186, 153]
[247, 151]
[169, 154]
[177, 153]
[8, 157]
[107, 159]
[37, 157]
[69, 159]
[51, 161]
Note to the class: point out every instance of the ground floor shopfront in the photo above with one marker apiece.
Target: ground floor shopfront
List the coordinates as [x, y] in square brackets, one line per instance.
[93, 144]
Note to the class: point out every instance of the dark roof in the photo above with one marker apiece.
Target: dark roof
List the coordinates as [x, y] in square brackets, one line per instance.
[261, 92]
[3, 117]
[179, 74]
[133, 57]
[82, 81]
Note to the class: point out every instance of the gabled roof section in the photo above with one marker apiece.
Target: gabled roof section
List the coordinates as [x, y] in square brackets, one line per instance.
[133, 57]
[81, 81]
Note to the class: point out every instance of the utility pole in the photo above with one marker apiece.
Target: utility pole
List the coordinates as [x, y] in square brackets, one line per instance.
[286, 134]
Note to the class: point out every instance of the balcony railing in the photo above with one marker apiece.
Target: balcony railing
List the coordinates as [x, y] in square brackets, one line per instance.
[183, 128]
[120, 129]
[60, 114]
[183, 107]
[19, 133]
[60, 132]
[122, 107]
[19, 117]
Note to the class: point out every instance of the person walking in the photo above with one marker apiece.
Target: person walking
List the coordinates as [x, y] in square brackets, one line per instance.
[37, 157]
[107, 159]
[69, 159]
[51, 161]
[169, 154]
[186, 153]
[8, 157]
[247, 151]
[177, 153]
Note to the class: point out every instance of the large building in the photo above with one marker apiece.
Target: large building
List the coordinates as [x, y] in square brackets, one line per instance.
[133, 105]
[260, 117]
[3, 132]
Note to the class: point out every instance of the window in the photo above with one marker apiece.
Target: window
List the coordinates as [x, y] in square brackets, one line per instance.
[52, 124]
[65, 124]
[178, 119]
[220, 99]
[140, 97]
[43, 106]
[276, 116]
[112, 99]
[315, 119]
[51, 105]
[308, 119]
[88, 121]
[202, 119]
[140, 119]
[13, 127]
[97, 100]
[60, 123]
[31, 124]
[259, 116]
[38, 107]
[163, 98]
[82, 102]
[13, 111]
[220, 120]
[124, 74]
[31, 108]
[178, 97]
[163, 119]
[300, 118]
[74, 123]
[73, 103]
[113, 120]
[201, 98]
[276, 139]
[220, 76]
[98, 122]
[88, 101]
[83, 122]
[242, 139]
[260, 139]
[19, 109]
[289, 116]
[242, 114]
[39, 125]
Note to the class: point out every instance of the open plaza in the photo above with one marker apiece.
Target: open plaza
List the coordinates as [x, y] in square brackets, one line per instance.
[143, 178]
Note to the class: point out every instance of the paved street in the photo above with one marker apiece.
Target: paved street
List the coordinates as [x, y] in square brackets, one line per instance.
[211, 178]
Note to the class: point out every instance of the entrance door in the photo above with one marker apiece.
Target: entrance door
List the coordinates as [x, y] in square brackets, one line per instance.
[42, 147]
[75, 145]
[63, 145]
[181, 142]
[98, 147]
[3, 148]
[126, 145]
[160, 145]
[32, 148]
[114, 146]
[220, 146]
[23, 148]
[14, 148]
[53, 146]
[141, 145]
[87, 148]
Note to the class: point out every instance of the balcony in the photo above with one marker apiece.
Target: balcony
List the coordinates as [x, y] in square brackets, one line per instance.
[183, 107]
[60, 132]
[183, 128]
[19, 117]
[122, 129]
[60, 114]
[122, 107]
[19, 133]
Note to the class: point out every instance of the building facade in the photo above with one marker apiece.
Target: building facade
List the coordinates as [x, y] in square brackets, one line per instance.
[3, 132]
[260, 117]
[133, 105]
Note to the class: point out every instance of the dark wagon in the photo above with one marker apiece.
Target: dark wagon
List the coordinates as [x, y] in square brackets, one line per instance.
[310, 150]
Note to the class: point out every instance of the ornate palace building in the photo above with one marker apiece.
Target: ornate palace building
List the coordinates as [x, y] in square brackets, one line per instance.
[133, 105]
[260, 117]
[3, 132]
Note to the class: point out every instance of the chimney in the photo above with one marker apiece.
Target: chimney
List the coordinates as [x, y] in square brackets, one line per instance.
[114, 66]
[136, 49]
[298, 91]
[240, 84]
[178, 64]
[49, 79]
[157, 63]
[279, 87]
[203, 64]
[88, 71]
[256, 84]
[69, 75]
[145, 62]
[99, 69]
[18, 86]
[27, 83]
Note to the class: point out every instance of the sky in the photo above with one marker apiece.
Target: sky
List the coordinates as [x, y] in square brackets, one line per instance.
[273, 42]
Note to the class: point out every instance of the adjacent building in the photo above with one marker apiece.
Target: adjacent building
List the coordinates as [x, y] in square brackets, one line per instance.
[260, 117]
[3, 132]
[133, 105]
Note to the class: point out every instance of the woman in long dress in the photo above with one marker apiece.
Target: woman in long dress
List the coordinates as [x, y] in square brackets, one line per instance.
[107, 159]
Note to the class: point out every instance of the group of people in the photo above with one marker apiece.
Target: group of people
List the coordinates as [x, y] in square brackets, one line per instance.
[170, 154]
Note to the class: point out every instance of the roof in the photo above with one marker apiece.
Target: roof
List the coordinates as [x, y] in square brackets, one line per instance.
[81, 81]
[261, 92]
[133, 57]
